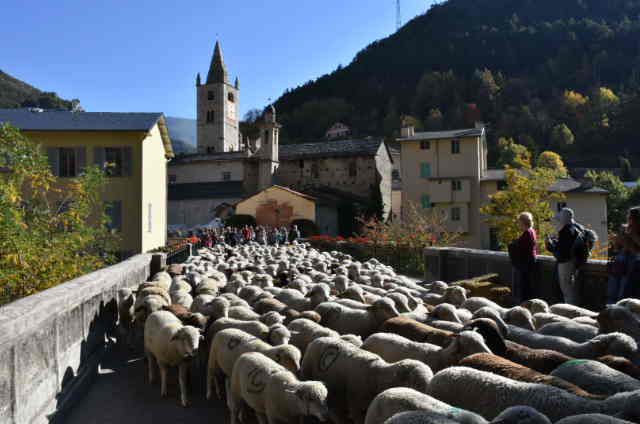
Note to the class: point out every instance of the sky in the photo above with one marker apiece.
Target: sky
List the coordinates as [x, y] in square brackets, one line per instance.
[143, 56]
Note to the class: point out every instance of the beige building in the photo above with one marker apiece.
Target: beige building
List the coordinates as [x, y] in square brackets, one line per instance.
[136, 145]
[447, 170]
[278, 206]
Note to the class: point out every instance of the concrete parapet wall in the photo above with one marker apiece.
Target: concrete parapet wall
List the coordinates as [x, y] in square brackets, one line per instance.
[453, 264]
[51, 342]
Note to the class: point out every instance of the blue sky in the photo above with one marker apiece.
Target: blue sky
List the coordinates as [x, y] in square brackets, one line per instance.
[140, 55]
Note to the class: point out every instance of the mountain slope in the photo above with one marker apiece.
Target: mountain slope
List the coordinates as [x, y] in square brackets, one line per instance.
[525, 67]
[15, 93]
[183, 134]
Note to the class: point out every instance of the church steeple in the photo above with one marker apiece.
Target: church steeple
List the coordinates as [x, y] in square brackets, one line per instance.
[217, 69]
[198, 83]
[237, 84]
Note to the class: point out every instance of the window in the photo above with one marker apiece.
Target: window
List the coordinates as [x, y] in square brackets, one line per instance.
[455, 214]
[425, 201]
[66, 161]
[425, 170]
[210, 95]
[226, 176]
[210, 115]
[353, 169]
[455, 147]
[173, 178]
[210, 150]
[149, 218]
[116, 161]
[425, 145]
[113, 210]
[502, 185]
[231, 97]
[395, 174]
[301, 164]
[315, 170]
[456, 185]
[561, 205]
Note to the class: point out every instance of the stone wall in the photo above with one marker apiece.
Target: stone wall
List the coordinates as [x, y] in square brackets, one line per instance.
[51, 342]
[453, 264]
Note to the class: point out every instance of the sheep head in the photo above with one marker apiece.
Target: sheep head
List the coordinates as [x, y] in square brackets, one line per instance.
[383, 309]
[617, 344]
[312, 396]
[468, 343]
[618, 318]
[447, 312]
[536, 306]
[288, 356]
[411, 373]
[491, 333]
[455, 295]
[186, 341]
[279, 335]
[520, 317]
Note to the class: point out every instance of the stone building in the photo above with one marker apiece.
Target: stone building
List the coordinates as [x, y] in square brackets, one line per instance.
[337, 131]
[447, 170]
[228, 168]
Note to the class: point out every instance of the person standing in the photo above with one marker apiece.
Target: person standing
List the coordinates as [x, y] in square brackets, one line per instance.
[562, 249]
[631, 280]
[522, 252]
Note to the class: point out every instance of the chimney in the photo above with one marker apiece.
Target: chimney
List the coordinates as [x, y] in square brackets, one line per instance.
[408, 131]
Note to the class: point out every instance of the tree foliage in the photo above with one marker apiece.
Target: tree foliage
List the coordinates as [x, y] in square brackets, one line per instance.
[512, 154]
[553, 161]
[45, 235]
[619, 199]
[527, 191]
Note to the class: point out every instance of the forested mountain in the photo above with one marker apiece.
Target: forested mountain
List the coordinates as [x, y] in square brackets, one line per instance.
[559, 74]
[15, 93]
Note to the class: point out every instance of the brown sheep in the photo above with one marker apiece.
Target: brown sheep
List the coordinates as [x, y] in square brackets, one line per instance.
[501, 366]
[621, 364]
[187, 317]
[265, 305]
[416, 331]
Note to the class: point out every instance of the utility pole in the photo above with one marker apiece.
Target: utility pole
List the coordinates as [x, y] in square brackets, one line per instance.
[398, 16]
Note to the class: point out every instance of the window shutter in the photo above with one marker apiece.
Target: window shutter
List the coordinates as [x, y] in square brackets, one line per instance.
[98, 157]
[81, 159]
[53, 154]
[127, 158]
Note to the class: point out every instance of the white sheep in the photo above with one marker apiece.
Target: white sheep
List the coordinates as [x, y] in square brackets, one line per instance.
[570, 329]
[571, 311]
[595, 377]
[400, 399]
[273, 392]
[276, 335]
[363, 323]
[393, 348]
[168, 343]
[354, 376]
[304, 331]
[489, 394]
[229, 344]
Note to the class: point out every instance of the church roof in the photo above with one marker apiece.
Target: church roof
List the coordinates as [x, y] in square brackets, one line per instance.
[217, 69]
[340, 148]
[212, 190]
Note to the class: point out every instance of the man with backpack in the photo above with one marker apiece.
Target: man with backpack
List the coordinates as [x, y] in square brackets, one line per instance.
[571, 249]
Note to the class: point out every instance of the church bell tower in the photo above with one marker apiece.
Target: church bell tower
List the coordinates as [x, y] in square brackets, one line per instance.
[218, 105]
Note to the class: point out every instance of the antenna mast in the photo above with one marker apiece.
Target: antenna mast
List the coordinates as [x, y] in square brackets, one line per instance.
[398, 16]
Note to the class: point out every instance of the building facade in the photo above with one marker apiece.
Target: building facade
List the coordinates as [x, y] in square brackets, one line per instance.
[447, 171]
[229, 168]
[137, 147]
[278, 206]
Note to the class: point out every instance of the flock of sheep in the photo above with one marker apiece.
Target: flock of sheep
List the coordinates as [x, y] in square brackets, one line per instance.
[291, 333]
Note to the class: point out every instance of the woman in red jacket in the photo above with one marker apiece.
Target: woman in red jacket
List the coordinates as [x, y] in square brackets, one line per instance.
[523, 253]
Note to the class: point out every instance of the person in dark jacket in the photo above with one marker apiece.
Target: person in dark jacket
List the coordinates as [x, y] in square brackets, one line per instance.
[523, 253]
[562, 249]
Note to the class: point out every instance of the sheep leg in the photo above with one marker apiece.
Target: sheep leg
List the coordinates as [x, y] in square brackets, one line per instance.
[151, 363]
[183, 370]
[357, 415]
[263, 419]
[163, 379]
[232, 404]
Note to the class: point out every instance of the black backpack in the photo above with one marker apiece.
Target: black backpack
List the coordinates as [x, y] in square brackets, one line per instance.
[583, 245]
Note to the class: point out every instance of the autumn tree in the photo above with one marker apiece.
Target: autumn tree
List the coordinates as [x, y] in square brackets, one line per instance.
[512, 154]
[562, 136]
[553, 161]
[527, 190]
[45, 235]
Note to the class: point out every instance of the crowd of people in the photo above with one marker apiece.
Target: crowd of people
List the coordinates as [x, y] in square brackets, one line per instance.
[571, 247]
[235, 236]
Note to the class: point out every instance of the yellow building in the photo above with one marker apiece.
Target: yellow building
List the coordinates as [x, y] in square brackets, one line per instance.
[278, 206]
[447, 170]
[136, 145]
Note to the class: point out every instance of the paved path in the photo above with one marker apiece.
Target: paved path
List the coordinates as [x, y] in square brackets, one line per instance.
[121, 395]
